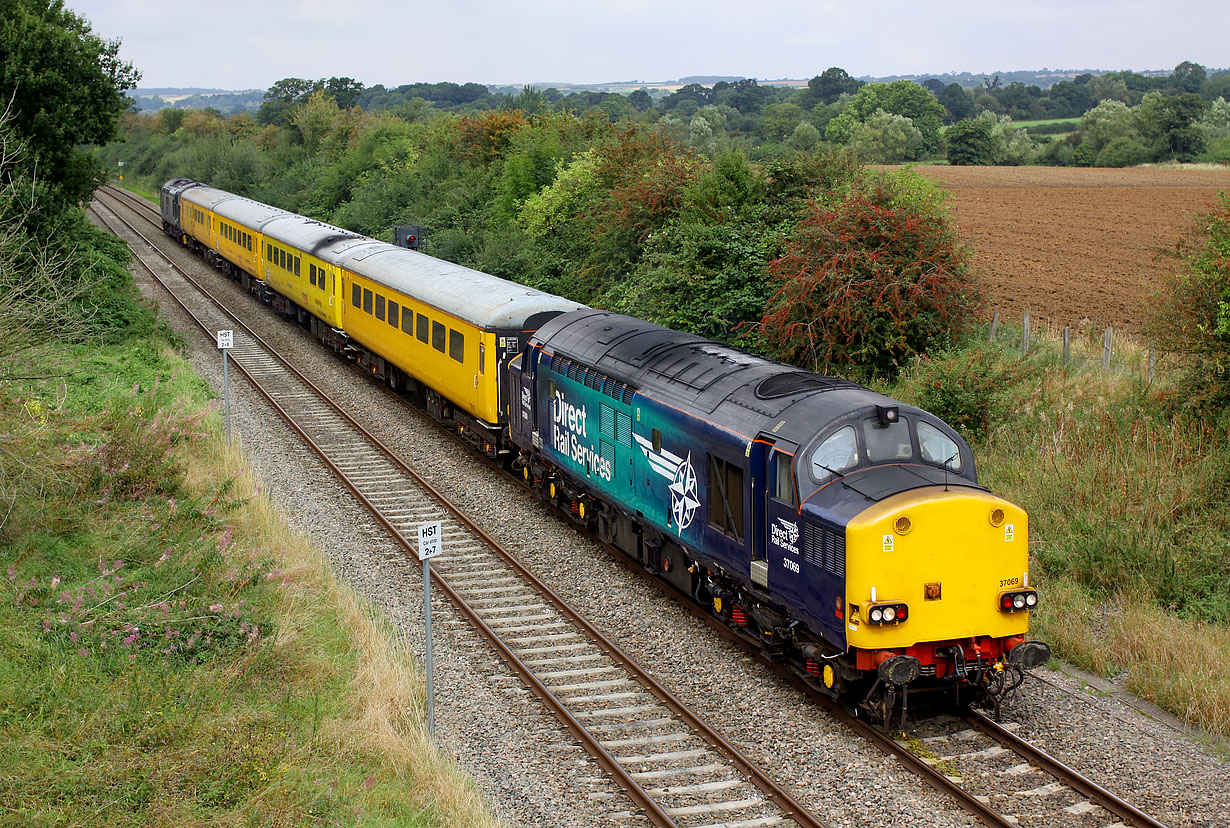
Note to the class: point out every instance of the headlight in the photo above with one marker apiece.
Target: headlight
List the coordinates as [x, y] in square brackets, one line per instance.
[1019, 599]
[888, 613]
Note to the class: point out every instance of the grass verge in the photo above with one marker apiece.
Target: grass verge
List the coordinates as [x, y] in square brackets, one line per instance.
[1126, 494]
[170, 653]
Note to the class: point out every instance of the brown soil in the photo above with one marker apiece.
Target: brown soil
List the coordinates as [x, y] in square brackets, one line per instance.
[1070, 245]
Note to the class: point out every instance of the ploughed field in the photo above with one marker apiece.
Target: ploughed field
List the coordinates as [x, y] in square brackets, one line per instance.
[1074, 244]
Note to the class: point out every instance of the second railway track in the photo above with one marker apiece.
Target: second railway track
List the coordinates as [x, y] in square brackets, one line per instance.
[647, 738]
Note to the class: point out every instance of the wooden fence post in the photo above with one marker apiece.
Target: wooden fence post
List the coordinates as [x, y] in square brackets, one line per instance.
[994, 327]
[1025, 334]
[1067, 343]
[1107, 341]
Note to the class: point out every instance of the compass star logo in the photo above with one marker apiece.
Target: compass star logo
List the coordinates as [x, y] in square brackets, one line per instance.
[682, 475]
[683, 494]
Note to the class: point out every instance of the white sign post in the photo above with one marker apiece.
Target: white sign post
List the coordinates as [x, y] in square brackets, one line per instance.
[226, 341]
[431, 543]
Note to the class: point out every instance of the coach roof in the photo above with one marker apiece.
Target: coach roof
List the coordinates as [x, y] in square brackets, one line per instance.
[471, 295]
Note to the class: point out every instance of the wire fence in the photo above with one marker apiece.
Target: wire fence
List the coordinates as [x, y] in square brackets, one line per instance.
[1129, 354]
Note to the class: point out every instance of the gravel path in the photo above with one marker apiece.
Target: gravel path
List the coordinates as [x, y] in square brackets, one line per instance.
[528, 767]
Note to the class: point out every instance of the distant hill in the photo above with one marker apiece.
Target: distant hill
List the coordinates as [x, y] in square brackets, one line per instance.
[225, 101]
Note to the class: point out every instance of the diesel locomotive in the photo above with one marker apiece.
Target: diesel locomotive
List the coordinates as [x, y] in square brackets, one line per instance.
[842, 531]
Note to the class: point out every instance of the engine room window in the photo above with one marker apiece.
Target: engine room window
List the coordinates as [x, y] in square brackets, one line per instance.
[437, 336]
[783, 480]
[456, 345]
[937, 447]
[887, 442]
[726, 497]
[657, 441]
[836, 454]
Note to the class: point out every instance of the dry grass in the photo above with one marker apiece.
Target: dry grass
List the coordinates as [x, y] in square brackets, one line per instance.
[384, 719]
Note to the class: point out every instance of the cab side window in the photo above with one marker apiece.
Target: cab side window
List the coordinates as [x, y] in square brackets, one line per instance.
[836, 454]
[783, 480]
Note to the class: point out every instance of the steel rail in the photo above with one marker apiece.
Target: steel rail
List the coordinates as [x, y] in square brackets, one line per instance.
[789, 807]
[1070, 776]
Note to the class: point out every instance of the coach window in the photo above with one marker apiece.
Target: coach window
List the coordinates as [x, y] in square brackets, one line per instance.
[367, 301]
[424, 332]
[937, 447]
[726, 497]
[836, 454]
[380, 307]
[281, 258]
[456, 345]
[356, 296]
[407, 321]
[783, 480]
[393, 312]
[437, 336]
[482, 358]
[312, 274]
[296, 265]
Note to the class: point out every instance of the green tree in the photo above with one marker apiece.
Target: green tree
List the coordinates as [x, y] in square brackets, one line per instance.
[66, 85]
[1170, 123]
[904, 98]
[969, 143]
[1189, 77]
[886, 139]
[958, 103]
[828, 86]
[1107, 121]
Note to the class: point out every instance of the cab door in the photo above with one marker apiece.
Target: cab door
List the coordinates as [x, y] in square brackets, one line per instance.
[781, 527]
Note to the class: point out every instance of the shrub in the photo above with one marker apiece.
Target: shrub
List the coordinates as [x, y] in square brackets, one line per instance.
[1122, 152]
[871, 280]
[969, 388]
[1190, 314]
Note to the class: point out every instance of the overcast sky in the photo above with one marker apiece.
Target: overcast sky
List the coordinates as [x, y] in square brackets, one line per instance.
[249, 44]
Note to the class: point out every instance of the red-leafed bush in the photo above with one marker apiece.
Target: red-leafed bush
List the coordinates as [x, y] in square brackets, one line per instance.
[869, 280]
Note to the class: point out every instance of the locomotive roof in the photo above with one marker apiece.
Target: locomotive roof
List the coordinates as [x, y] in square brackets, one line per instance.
[746, 393]
[479, 298]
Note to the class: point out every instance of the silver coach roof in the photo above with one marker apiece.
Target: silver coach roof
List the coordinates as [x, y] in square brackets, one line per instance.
[479, 298]
[476, 297]
[206, 196]
[324, 241]
[247, 212]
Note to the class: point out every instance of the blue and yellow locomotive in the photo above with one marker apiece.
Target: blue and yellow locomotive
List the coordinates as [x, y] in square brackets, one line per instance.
[844, 532]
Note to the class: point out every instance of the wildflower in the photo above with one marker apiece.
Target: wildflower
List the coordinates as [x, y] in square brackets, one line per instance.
[81, 652]
[162, 559]
[12, 572]
[72, 636]
[46, 624]
[215, 608]
[55, 581]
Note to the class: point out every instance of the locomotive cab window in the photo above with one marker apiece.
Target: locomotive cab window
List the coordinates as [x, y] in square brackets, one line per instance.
[836, 454]
[726, 497]
[937, 447]
[783, 480]
[887, 442]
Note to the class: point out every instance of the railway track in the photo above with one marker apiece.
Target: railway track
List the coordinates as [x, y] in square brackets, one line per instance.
[675, 768]
[645, 734]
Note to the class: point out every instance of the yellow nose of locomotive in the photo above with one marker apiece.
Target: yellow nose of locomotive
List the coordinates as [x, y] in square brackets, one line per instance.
[934, 565]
